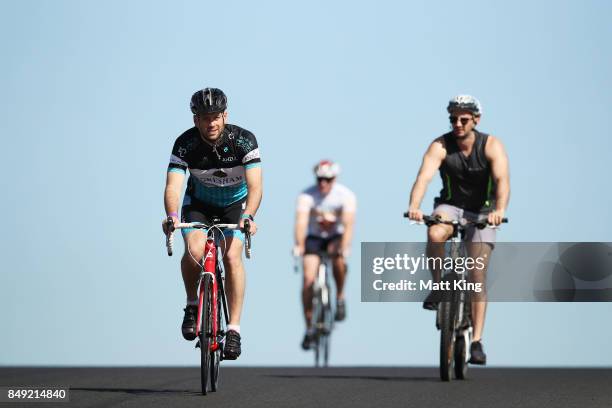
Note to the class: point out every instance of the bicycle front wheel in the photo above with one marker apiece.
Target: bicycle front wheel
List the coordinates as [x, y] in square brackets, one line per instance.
[328, 321]
[214, 369]
[325, 347]
[216, 355]
[205, 332]
[461, 365]
[447, 339]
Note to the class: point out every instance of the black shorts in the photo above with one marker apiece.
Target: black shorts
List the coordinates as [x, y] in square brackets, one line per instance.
[317, 245]
[198, 211]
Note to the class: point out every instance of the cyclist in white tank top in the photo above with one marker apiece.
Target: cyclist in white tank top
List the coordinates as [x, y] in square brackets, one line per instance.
[325, 215]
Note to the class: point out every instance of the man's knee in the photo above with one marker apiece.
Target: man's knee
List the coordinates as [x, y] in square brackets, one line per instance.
[233, 260]
[436, 234]
[194, 246]
[307, 286]
[192, 256]
[338, 263]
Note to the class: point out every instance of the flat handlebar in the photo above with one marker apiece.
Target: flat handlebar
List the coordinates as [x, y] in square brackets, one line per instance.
[429, 221]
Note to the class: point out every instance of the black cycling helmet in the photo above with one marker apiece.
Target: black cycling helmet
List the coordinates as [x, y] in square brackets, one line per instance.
[208, 100]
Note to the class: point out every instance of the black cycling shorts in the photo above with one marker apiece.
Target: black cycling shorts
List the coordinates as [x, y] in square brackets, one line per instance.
[317, 245]
[197, 211]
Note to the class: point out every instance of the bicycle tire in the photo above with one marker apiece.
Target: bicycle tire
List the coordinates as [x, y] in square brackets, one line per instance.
[461, 365]
[323, 333]
[319, 331]
[217, 355]
[314, 324]
[317, 342]
[215, 359]
[328, 320]
[205, 333]
[447, 334]
[326, 350]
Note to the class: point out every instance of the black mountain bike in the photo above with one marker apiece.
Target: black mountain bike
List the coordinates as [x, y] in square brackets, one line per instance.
[454, 317]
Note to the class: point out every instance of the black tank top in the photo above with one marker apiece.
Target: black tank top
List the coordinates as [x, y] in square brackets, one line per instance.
[467, 181]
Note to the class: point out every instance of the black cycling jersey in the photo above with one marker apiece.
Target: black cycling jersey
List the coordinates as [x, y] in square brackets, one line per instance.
[467, 181]
[216, 171]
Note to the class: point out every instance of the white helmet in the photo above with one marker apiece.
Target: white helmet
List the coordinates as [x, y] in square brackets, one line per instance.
[465, 102]
[327, 169]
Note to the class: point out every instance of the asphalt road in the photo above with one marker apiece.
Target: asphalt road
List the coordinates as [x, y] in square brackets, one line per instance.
[310, 387]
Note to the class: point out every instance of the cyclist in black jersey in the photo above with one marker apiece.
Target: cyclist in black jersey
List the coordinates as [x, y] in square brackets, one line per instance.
[224, 182]
[476, 185]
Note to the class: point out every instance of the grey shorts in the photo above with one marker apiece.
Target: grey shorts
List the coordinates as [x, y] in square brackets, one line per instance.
[473, 234]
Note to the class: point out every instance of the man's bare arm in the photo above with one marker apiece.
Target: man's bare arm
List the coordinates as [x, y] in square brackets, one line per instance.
[172, 193]
[254, 182]
[348, 221]
[496, 154]
[432, 160]
[301, 224]
[255, 188]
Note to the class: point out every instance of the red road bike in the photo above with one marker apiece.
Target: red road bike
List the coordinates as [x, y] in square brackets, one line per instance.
[213, 313]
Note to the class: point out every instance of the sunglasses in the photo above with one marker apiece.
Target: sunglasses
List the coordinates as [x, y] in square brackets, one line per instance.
[326, 179]
[464, 121]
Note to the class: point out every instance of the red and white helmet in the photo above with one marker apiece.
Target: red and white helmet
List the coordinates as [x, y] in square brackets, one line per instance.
[327, 169]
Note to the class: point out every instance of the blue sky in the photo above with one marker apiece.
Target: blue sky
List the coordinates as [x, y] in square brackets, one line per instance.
[94, 95]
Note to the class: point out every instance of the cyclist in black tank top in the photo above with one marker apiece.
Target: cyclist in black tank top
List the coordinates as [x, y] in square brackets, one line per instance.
[467, 181]
[475, 179]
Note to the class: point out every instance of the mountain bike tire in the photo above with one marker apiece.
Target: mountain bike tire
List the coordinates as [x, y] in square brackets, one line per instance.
[447, 339]
[205, 333]
[461, 364]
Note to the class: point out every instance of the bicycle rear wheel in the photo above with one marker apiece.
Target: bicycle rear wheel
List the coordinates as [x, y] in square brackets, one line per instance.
[447, 339]
[205, 333]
